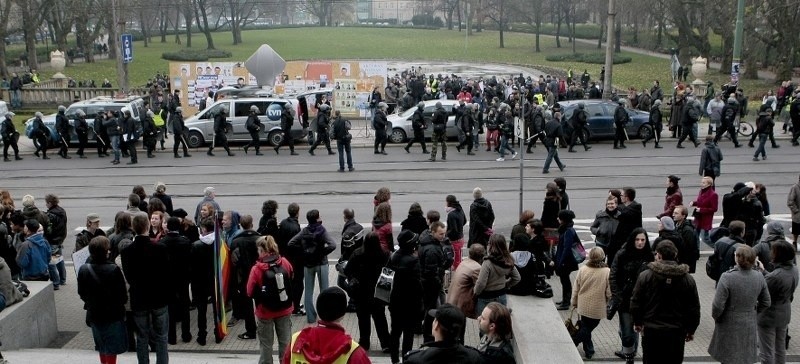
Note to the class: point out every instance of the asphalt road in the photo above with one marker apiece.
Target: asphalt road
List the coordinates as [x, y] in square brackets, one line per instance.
[243, 182]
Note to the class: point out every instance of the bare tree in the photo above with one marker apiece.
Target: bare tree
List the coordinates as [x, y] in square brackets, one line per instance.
[322, 9]
[692, 27]
[85, 12]
[202, 15]
[241, 13]
[59, 16]
[147, 12]
[781, 18]
[496, 10]
[187, 10]
[33, 13]
[5, 12]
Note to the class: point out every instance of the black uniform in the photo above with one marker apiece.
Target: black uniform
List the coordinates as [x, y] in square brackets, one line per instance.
[287, 120]
[323, 125]
[254, 127]
[578, 123]
[41, 136]
[419, 126]
[82, 130]
[655, 122]
[621, 119]
[62, 128]
[10, 135]
[179, 129]
[379, 122]
[728, 113]
[101, 136]
[130, 136]
[220, 128]
[149, 133]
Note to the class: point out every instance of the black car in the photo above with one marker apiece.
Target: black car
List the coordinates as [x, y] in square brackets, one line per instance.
[600, 124]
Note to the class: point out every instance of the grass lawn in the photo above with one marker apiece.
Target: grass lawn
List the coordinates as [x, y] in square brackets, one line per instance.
[380, 43]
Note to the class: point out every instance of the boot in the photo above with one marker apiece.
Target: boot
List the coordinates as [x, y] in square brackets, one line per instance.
[680, 146]
[6, 159]
[658, 146]
[571, 150]
[230, 154]
[210, 153]
[248, 146]
[17, 158]
[186, 155]
[177, 155]
[292, 152]
[276, 149]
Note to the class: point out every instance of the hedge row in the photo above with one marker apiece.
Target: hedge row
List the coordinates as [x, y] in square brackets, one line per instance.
[592, 58]
[193, 55]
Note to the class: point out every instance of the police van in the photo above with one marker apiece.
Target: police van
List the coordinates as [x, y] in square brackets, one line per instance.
[270, 110]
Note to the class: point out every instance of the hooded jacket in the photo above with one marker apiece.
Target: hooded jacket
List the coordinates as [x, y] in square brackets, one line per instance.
[324, 344]
[384, 231]
[495, 277]
[315, 243]
[33, 256]
[254, 282]
[665, 297]
[455, 222]
[481, 219]
[604, 226]
[416, 223]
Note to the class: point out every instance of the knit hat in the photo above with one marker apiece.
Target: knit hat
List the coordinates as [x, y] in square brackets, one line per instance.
[331, 304]
[407, 239]
[180, 213]
[738, 186]
[667, 223]
[477, 193]
[93, 217]
[27, 201]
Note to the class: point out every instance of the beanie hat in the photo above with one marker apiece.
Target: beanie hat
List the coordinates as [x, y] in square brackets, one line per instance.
[407, 240]
[738, 186]
[477, 193]
[27, 201]
[775, 228]
[331, 304]
[668, 223]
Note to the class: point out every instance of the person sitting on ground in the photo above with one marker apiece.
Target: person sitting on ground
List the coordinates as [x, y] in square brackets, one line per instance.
[495, 325]
[448, 327]
[327, 342]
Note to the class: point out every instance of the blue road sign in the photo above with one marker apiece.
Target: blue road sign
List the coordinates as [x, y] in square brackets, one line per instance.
[127, 48]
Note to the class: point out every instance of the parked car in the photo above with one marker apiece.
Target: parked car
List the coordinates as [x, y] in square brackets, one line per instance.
[201, 125]
[91, 107]
[600, 124]
[401, 123]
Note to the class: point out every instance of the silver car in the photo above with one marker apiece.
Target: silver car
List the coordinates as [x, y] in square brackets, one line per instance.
[91, 107]
[401, 123]
[201, 125]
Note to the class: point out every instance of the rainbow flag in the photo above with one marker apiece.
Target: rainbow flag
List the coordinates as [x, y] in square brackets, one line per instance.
[221, 279]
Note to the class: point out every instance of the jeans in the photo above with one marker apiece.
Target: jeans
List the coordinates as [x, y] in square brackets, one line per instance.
[377, 312]
[552, 153]
[663, 345]
[58, 273]
[630, 339]
[115, 146]
[321, 271]
[404, 321]
[702, 236]
[504, 146]
[584, 334]
[16, 98]
[762, 141]
[344, 147]
[772, 344]
[689, 131]
[151, 324]
[282, 326]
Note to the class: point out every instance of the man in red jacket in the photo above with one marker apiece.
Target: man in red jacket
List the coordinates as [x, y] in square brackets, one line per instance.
[327, 342]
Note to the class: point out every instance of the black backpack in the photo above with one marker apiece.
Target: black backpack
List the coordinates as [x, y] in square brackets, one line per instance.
[274, 293]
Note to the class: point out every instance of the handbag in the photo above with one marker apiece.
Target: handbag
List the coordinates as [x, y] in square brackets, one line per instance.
[385, 284]
[578, 252]
[611, 308]
[572, 328]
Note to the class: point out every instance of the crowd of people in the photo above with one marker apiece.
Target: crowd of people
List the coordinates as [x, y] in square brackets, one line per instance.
[277, 265]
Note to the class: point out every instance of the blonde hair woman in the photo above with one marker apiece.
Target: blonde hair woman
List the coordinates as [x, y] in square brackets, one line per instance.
[590, 295]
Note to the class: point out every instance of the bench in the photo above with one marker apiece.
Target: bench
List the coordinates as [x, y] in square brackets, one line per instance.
[32, 322]
[539, 332]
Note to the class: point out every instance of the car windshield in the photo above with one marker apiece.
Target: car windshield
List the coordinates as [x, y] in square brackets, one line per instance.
[408, 112]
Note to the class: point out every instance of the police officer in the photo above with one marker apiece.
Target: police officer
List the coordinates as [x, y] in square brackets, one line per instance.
[728, 117]
[380, 122]
[41, 135]
[62, 128]
[10, 135]
[439, 122]
[419, 126]
[113, 130]
[621, 119]
[287, 120]
[220, 127]
[100, 134]
[254, 127]
[82, 130]
[323, 125]
[579, 122]
[178, 128]
[130, 134]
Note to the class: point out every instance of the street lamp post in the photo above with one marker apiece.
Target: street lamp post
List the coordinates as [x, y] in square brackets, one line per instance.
[737, 43]
[612, 12]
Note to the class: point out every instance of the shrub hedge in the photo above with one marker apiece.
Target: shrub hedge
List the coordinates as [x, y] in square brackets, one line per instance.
[591, 58]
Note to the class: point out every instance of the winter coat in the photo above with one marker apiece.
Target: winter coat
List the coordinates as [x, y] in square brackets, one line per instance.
[604, 227]
[591, 291]
[462, 283]
[793, 202]
[665, 297]
[7, 288]
[781, 283]
[58, 225]
[740, 296]
[710, 160]
[481, 219]
[564, 259]
[630, 217]
[244, 255]
[202, 268]
[103, 292]
[323, 344]
[316, 244]
[673, 198]
[688, 252]
[625, 270]
[146, 265]
[432, 263]
[33, 257]
[363, 271]
[731, 204]
[705, 206]
[406, 293]
[550, 210]
[455, 223]
[495, 278]
[672, 236]
[444, 352]
[415, 223]
[254, 282]
[384, 231]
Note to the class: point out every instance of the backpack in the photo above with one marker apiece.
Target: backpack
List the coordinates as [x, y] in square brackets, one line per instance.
[274, 292]
[449, 254]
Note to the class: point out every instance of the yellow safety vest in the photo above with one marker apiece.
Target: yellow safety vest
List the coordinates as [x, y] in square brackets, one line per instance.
[434, 85]
[35, 78]
[158, 121]
[299, 358]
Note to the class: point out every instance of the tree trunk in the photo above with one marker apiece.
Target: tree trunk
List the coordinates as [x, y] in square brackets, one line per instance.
[727, 54]
[187, 17]
[751, 64]
[3, 64]
[600, 39]
[558, 31]
[175, 27]
[163, 24]
[635, 30]
[618, 38]
[502, 23]
[30, 37]
[458, 14]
